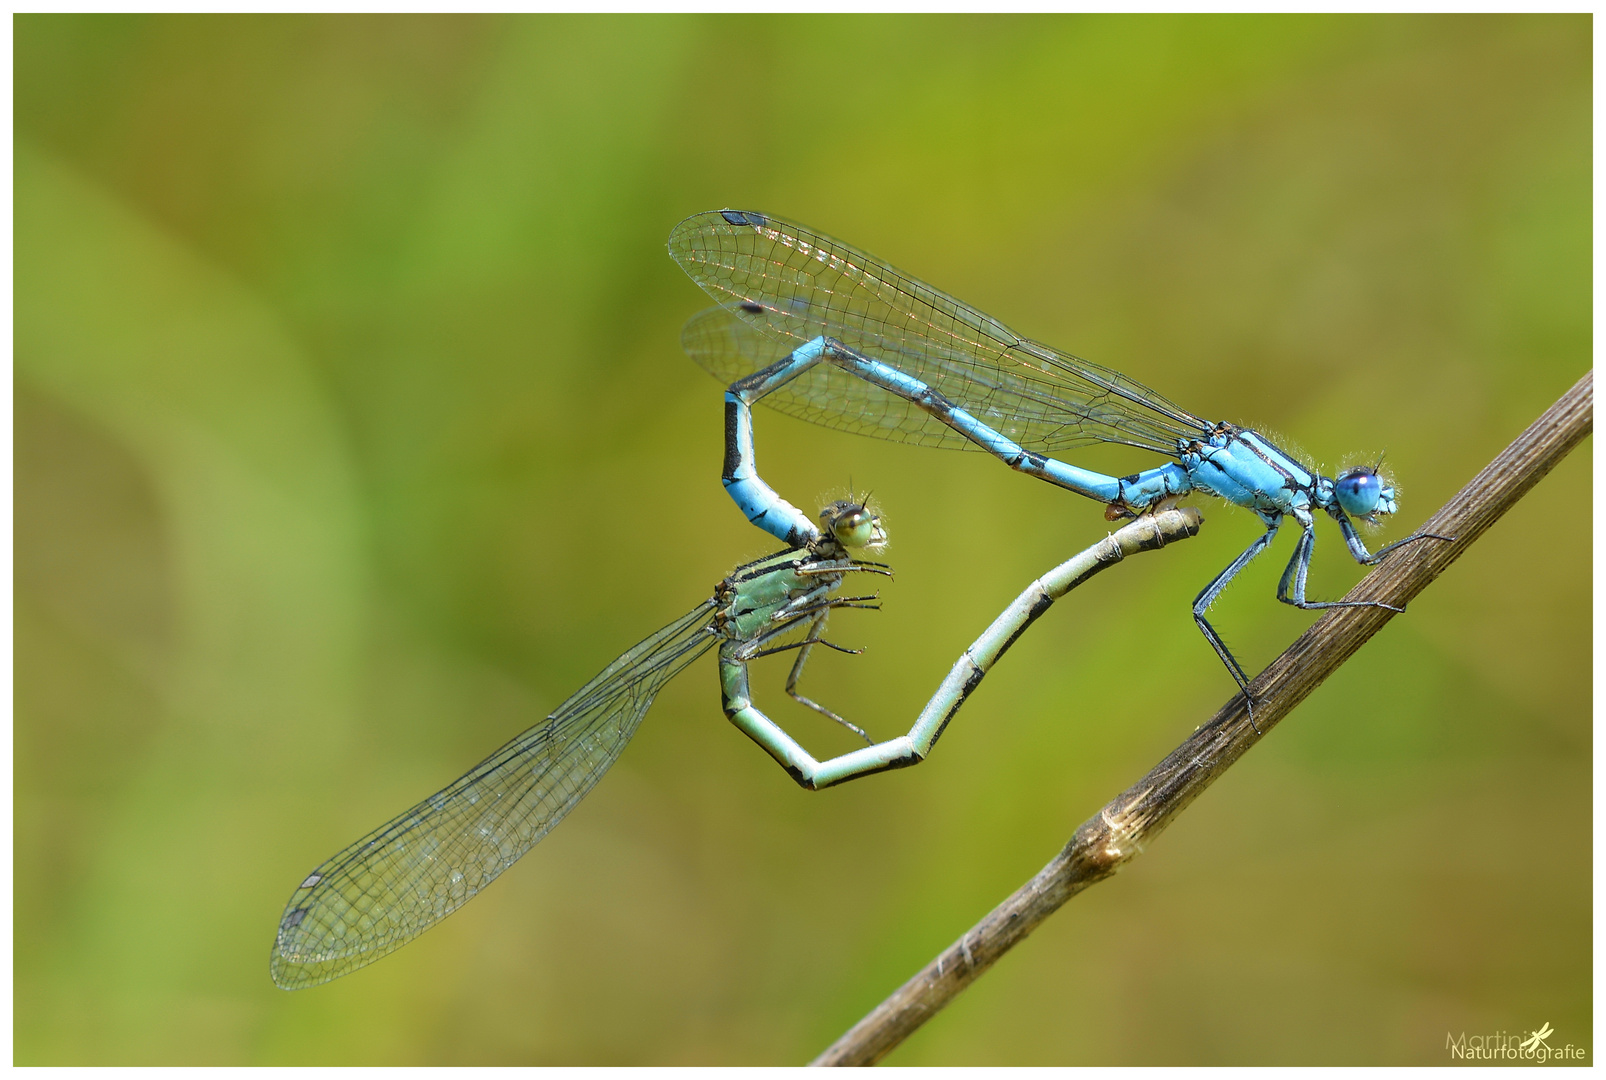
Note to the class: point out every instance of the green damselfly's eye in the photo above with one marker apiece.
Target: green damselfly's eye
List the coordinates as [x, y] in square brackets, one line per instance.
[853, 524]
[1359, 491]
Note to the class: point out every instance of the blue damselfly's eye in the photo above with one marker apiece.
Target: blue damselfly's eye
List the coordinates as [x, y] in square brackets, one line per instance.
[1358, 492]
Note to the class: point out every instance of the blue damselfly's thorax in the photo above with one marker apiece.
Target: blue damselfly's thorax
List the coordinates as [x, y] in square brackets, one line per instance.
[1249, 470]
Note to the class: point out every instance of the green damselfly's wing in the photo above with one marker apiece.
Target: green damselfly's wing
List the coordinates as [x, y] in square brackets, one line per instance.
[410, 873]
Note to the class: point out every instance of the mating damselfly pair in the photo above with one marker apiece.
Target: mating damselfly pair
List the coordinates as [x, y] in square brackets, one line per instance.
[818, 329]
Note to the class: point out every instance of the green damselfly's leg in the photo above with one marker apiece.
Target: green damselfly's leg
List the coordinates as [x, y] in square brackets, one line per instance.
[399, 880]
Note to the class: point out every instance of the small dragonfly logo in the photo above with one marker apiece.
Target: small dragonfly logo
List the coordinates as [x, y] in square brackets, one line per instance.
[1536, 1039]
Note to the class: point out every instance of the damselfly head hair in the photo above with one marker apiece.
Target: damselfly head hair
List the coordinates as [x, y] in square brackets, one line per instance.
[1365, 492]
[855, 523]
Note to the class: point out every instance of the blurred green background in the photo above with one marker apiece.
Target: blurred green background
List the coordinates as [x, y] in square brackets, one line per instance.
[352, 435]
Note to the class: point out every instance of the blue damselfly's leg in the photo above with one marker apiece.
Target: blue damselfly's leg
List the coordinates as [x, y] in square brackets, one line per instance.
[818, 329]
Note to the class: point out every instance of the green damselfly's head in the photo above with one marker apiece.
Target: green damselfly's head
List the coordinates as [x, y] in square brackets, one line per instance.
[854, 524]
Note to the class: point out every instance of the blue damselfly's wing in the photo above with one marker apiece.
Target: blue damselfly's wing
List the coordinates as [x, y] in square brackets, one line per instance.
[794, 285]
[408, 874]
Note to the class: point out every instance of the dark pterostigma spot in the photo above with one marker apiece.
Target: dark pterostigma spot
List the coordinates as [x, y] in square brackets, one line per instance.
[750, 307]
[293, 920]
[744, 217]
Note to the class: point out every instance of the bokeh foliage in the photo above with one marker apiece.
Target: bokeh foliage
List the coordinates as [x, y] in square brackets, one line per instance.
[352, 435]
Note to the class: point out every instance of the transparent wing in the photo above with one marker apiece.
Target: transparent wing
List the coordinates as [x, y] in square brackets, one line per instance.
[729, 348]
[410, 873]
[795, 285]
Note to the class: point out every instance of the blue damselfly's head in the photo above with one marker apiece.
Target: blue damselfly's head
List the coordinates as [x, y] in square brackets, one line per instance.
[1365, 493]
[854, 524]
